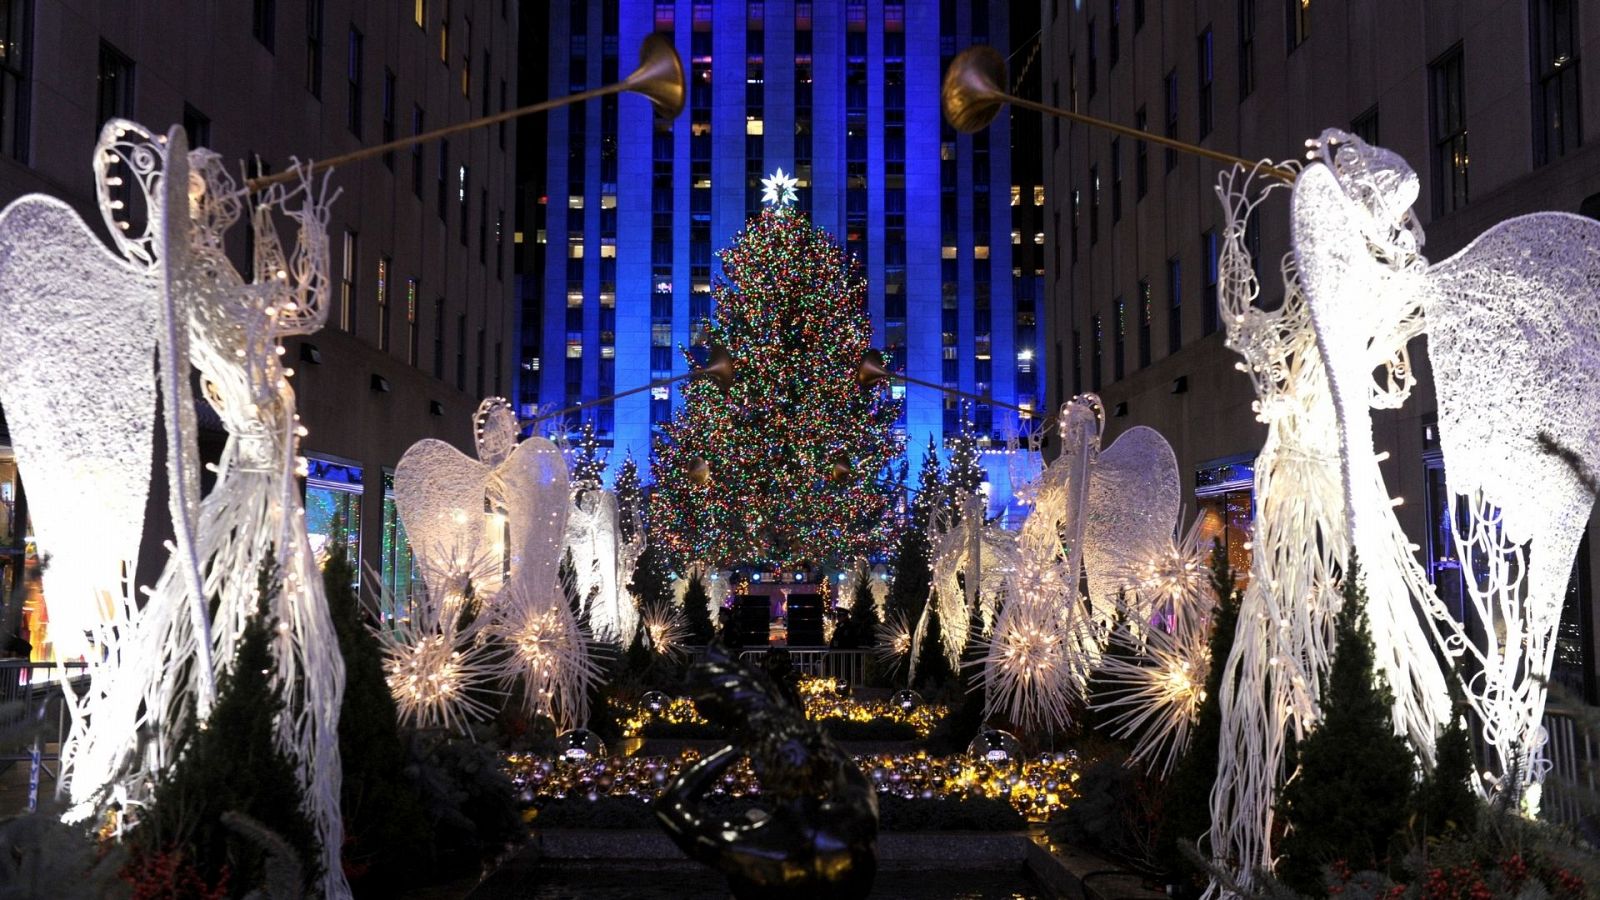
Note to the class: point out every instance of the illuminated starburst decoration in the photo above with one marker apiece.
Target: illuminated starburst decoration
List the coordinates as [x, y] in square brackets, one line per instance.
[778, 188]
[1171, 586]
[438, 676]
[665, 631]
[1155, 690]
[548, 653]
[1036, 663]
[894, 641]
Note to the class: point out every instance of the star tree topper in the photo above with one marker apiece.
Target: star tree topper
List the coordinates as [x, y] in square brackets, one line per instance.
[778, 188]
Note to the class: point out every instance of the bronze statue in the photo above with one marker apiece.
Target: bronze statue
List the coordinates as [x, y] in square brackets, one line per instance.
[820, 839]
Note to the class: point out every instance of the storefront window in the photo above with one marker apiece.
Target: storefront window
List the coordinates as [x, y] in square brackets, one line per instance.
[333, 508]
[19, 557]
[1224, 495]
[1571, 667]
[398, 565]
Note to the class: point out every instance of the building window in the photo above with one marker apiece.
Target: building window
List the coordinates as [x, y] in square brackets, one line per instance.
[1174, 305]
[388, 115]
[483, 227]
[1557, 124]
[466, 57]
[438, 338]
[1096, 345]
[1094, 54]
[1171, 90]
[416, 152]
[196, 127]
[1297, 16]
[443, 180]
[1138, 15]
[1116, 180]
[499, 243]
[419, 12]
[502, 125]
[1119, 339]
[264, 21]
[444, 32]
[485, 93]
[1077, 362]
[1365, 126]
[114, 86]
[314, 47]
[1146, 317]
[347, 283]
[1207, 72]
[1209, 314]
[481, 358]
[1141, 162]
[16, 36]
[1077, 208]
[354, 74]
[1114, 33]
[464, 200]
[1449, 99]
[461, 352]
[384, 266]
[1247, 48]
[1094, 205]
[411, 321]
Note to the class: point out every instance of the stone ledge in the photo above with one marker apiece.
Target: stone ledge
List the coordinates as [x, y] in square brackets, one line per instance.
[1064, 871]
[1073, 874]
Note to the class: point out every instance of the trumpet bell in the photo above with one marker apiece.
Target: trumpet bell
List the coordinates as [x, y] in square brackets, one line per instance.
[973, 89]
[718, 368]
[659, 77]
[871, 371]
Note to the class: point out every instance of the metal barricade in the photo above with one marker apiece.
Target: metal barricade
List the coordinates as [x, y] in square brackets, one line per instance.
[34, 691]
[1573, 783]
[849, 666]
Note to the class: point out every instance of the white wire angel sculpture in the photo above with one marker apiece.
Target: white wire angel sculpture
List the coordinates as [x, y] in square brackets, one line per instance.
[1513, 328]
[154, 664]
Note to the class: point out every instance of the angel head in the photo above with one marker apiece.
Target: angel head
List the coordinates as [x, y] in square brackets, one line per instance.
[1379, 181]
[214, 199]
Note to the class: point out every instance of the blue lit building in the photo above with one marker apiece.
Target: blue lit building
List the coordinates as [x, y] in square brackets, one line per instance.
[842, 93]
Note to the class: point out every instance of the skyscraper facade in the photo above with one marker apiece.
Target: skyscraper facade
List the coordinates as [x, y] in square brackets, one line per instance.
[844, 94]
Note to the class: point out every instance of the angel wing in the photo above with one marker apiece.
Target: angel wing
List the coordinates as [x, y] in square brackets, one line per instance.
[440, 494]
[536, 489]
[1132, 508]
[1514, 337]
[77, 328]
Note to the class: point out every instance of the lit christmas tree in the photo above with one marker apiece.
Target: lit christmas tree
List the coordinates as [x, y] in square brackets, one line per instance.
[630, 497]
[588, 464]
[965, 474]
[931, 491]
[785, 468]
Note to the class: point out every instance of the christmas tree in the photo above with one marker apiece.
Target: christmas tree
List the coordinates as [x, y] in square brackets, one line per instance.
[1353, 793]
[234, 764]
[588, 465]
[697, 611]
[966, 469]
[384, 822]
[796, 447]
[630, 498]
[931, 490]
